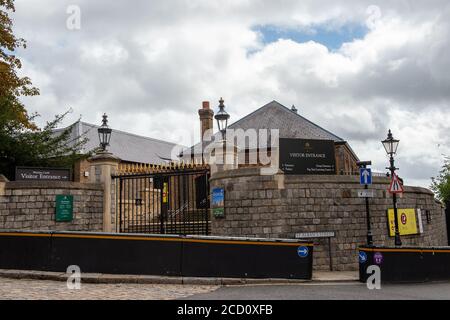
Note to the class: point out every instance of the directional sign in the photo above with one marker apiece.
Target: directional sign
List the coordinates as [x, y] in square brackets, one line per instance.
[302, 252]
[365, 193]
[362, 257]
[365, 176]
[396, 186]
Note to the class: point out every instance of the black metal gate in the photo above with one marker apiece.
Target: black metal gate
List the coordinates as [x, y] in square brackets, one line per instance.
[168, 203]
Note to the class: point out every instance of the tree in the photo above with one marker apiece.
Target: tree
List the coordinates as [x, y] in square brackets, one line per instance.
[22, 143]
[11, 85]
[441, 184]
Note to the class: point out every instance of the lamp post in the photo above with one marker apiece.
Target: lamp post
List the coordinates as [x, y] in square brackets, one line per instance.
[222, 118]
[104, 133]
[390, 145]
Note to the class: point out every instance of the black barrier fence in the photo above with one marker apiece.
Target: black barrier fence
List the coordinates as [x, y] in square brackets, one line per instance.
[406, 264]
[189, 256]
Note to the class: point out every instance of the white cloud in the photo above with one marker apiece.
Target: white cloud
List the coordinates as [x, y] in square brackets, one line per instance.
[150, 64]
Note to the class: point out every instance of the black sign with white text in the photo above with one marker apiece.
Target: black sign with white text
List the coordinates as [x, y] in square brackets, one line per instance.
[301, 156]
[42, 174]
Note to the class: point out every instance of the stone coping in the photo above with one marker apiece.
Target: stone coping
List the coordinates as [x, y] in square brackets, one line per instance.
[290, 179]
[53, 185]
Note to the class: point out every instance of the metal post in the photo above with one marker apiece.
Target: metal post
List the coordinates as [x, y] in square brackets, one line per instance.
[164, 200]
[398, 241]
[364, 164]
[369, 229]
[120, 202]
[329, 253]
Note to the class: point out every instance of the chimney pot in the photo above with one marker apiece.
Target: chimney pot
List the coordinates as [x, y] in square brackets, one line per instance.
[205, 104]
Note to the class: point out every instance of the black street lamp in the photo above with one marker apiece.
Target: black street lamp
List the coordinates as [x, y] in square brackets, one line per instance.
[222, 118]
[390, 145]
[104, 133]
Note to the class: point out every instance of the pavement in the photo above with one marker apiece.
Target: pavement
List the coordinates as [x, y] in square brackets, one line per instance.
[335, 276]
[19, 284]
[318, 276]
[33, 289]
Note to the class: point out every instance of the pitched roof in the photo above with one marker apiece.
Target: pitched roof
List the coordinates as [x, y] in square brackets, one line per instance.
[276, 116]
[127, 146]
[290, 124]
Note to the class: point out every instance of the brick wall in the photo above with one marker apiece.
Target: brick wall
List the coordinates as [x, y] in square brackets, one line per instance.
[280, 206]
[31, 205]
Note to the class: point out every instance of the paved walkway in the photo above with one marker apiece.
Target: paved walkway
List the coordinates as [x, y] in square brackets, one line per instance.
[20, 284]
[26, 289]
[335, 276]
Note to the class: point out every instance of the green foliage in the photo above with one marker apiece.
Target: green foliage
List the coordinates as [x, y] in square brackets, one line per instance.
[11, 85]
[42, 147]
[22, 143]
[441, 184]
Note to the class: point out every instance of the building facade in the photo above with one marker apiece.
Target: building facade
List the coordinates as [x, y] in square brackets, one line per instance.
[246, 133]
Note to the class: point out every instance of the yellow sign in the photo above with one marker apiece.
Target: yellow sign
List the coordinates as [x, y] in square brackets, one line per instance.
[164, 193]
[407, 223]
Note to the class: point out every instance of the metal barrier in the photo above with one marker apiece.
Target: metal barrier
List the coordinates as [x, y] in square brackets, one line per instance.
[406, 264]
[192, 256]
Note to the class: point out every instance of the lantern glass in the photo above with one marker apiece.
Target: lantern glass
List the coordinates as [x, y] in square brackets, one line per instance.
[222, 124]
[390, 144]
[104, 133]
[222, 118]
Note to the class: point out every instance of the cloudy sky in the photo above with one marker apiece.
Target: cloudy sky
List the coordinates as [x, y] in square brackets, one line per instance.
[354, 67]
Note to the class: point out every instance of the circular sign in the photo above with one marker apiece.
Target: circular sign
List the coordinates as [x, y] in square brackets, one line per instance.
[302, 252]
[403, 218]
[362, 257]
[378, 258]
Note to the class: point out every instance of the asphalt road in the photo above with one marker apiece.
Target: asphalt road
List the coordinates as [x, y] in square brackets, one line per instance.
[328, 291]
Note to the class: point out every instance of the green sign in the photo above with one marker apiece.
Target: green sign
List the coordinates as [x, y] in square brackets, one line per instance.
[64, 207]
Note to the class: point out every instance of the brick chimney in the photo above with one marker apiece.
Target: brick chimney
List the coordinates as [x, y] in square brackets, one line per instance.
[206, 119]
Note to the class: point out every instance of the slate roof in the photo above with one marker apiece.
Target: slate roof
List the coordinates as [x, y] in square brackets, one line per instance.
[126, 146]
[276, 116]
[290, 124]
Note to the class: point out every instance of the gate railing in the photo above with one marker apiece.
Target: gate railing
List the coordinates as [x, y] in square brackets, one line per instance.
[141, 168]
[162, 199]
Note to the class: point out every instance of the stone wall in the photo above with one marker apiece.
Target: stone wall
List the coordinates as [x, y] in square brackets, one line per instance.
[280, 206]
[31, 205]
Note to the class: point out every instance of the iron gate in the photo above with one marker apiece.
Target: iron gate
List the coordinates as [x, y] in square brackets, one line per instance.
[168, 203]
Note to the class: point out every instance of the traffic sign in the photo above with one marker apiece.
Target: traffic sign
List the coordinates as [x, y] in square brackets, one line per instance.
[365, 193]
[362, 257]
[365, 176]
[396, 186]
[302, 252]
[378, 258]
